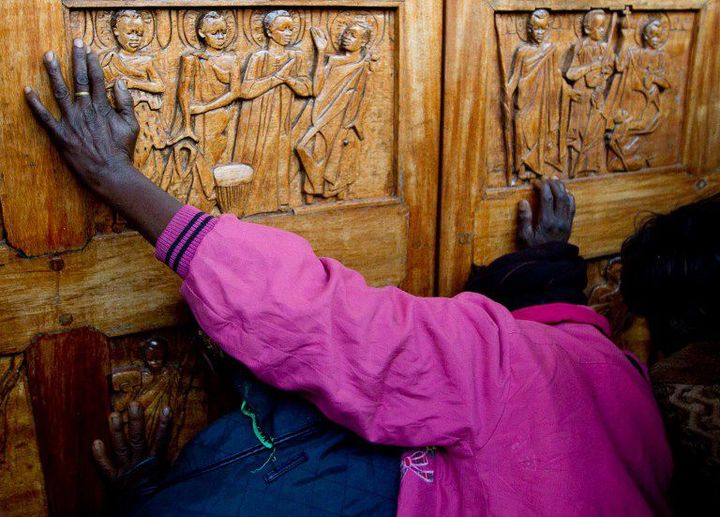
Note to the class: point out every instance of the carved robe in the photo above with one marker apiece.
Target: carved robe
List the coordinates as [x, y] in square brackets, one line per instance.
[327, 151]
[264, 135]
[152, 136]
[586, 129]
[208, 140]
[641, 78]
[539, 134]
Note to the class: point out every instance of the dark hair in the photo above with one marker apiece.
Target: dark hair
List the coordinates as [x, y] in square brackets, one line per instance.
[671, 274]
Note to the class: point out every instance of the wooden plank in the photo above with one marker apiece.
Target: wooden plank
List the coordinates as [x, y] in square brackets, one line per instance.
[117, 286]
[607, 211]
[418, 100]
[22, 491]
[67, 374]
[468, 25]
[44, 210]
[703, 130]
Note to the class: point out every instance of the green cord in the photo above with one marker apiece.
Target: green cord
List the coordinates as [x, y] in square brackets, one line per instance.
[264, 439]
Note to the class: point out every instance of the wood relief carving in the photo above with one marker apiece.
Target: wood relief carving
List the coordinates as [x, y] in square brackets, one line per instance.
[161, 369]
[21, 478]
[255, 111]
[590, 93]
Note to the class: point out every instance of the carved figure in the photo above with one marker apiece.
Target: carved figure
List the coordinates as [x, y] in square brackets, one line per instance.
[327, 151]
[155, 385]
[636, 90]
[145, 84]
[273, 77]
[208, 85]
[590, 67]
[536, 102]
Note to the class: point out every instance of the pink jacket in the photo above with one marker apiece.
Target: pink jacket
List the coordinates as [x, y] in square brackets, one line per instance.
[528, 413]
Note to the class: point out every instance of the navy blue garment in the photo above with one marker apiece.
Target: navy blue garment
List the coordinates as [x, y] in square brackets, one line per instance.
[277, 456]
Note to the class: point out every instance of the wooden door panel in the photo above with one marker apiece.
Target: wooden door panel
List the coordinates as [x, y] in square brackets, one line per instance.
[349, 160]
[623, 118]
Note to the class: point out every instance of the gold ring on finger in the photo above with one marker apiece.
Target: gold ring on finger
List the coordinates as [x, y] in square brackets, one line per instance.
[81, 94]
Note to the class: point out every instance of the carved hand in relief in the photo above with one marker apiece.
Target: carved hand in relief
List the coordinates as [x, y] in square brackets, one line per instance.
[91, 136]
[319, 38]
[556, 214]
[284, 73]
[139, 466]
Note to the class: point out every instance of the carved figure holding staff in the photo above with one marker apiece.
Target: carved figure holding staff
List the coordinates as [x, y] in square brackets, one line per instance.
[145, 84]
[589, 70]
[273, 77]
[535, 99]
[327, 151]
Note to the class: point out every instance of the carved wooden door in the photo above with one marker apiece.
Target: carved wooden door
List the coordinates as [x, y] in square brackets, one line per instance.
[319, 117]
[620, 100]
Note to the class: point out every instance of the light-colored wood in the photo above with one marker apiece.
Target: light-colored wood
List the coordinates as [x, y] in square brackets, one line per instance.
[419, 87]
[22, 490]
[117, 286]
[649, 142]
[43, 208]
[606, 214]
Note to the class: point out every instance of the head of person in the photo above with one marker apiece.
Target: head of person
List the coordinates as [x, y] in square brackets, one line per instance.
[212, 29]
[538, 25]
[356, 36]
[154, 353]
[671, 275]
[653, 34]
[594, 24]
[279, 27]
[128, 27]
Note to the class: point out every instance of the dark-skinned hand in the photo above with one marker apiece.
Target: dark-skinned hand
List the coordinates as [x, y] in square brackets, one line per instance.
[555, 215]
[97, 141]
[138, 467]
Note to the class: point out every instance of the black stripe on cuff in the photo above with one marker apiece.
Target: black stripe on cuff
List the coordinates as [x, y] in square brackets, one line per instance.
[180, 236]
[191, 238]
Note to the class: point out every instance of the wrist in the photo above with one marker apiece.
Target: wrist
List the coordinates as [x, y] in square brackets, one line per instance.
[116, 177]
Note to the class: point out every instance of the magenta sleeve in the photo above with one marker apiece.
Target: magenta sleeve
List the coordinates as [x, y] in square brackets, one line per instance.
[178, 243]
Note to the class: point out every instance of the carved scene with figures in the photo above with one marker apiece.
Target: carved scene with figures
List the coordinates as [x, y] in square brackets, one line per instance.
[589, 93]
[255, 111]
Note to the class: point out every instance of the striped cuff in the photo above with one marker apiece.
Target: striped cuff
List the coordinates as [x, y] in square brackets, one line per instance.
[177, 244]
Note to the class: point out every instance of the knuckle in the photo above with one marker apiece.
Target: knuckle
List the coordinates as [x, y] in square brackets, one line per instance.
[61, 93]
[82, 79]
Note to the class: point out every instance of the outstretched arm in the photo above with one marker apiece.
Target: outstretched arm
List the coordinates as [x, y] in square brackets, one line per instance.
[393, 367]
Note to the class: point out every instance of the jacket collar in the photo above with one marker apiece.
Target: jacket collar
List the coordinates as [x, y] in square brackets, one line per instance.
[556, 313]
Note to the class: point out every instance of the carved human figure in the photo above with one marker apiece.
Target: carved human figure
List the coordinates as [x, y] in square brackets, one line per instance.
[273, 77]
[146, 87]
[156, 385]
[328, 149]
[590, 67]
[535, 101]
[204, 128]
[637, 89]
